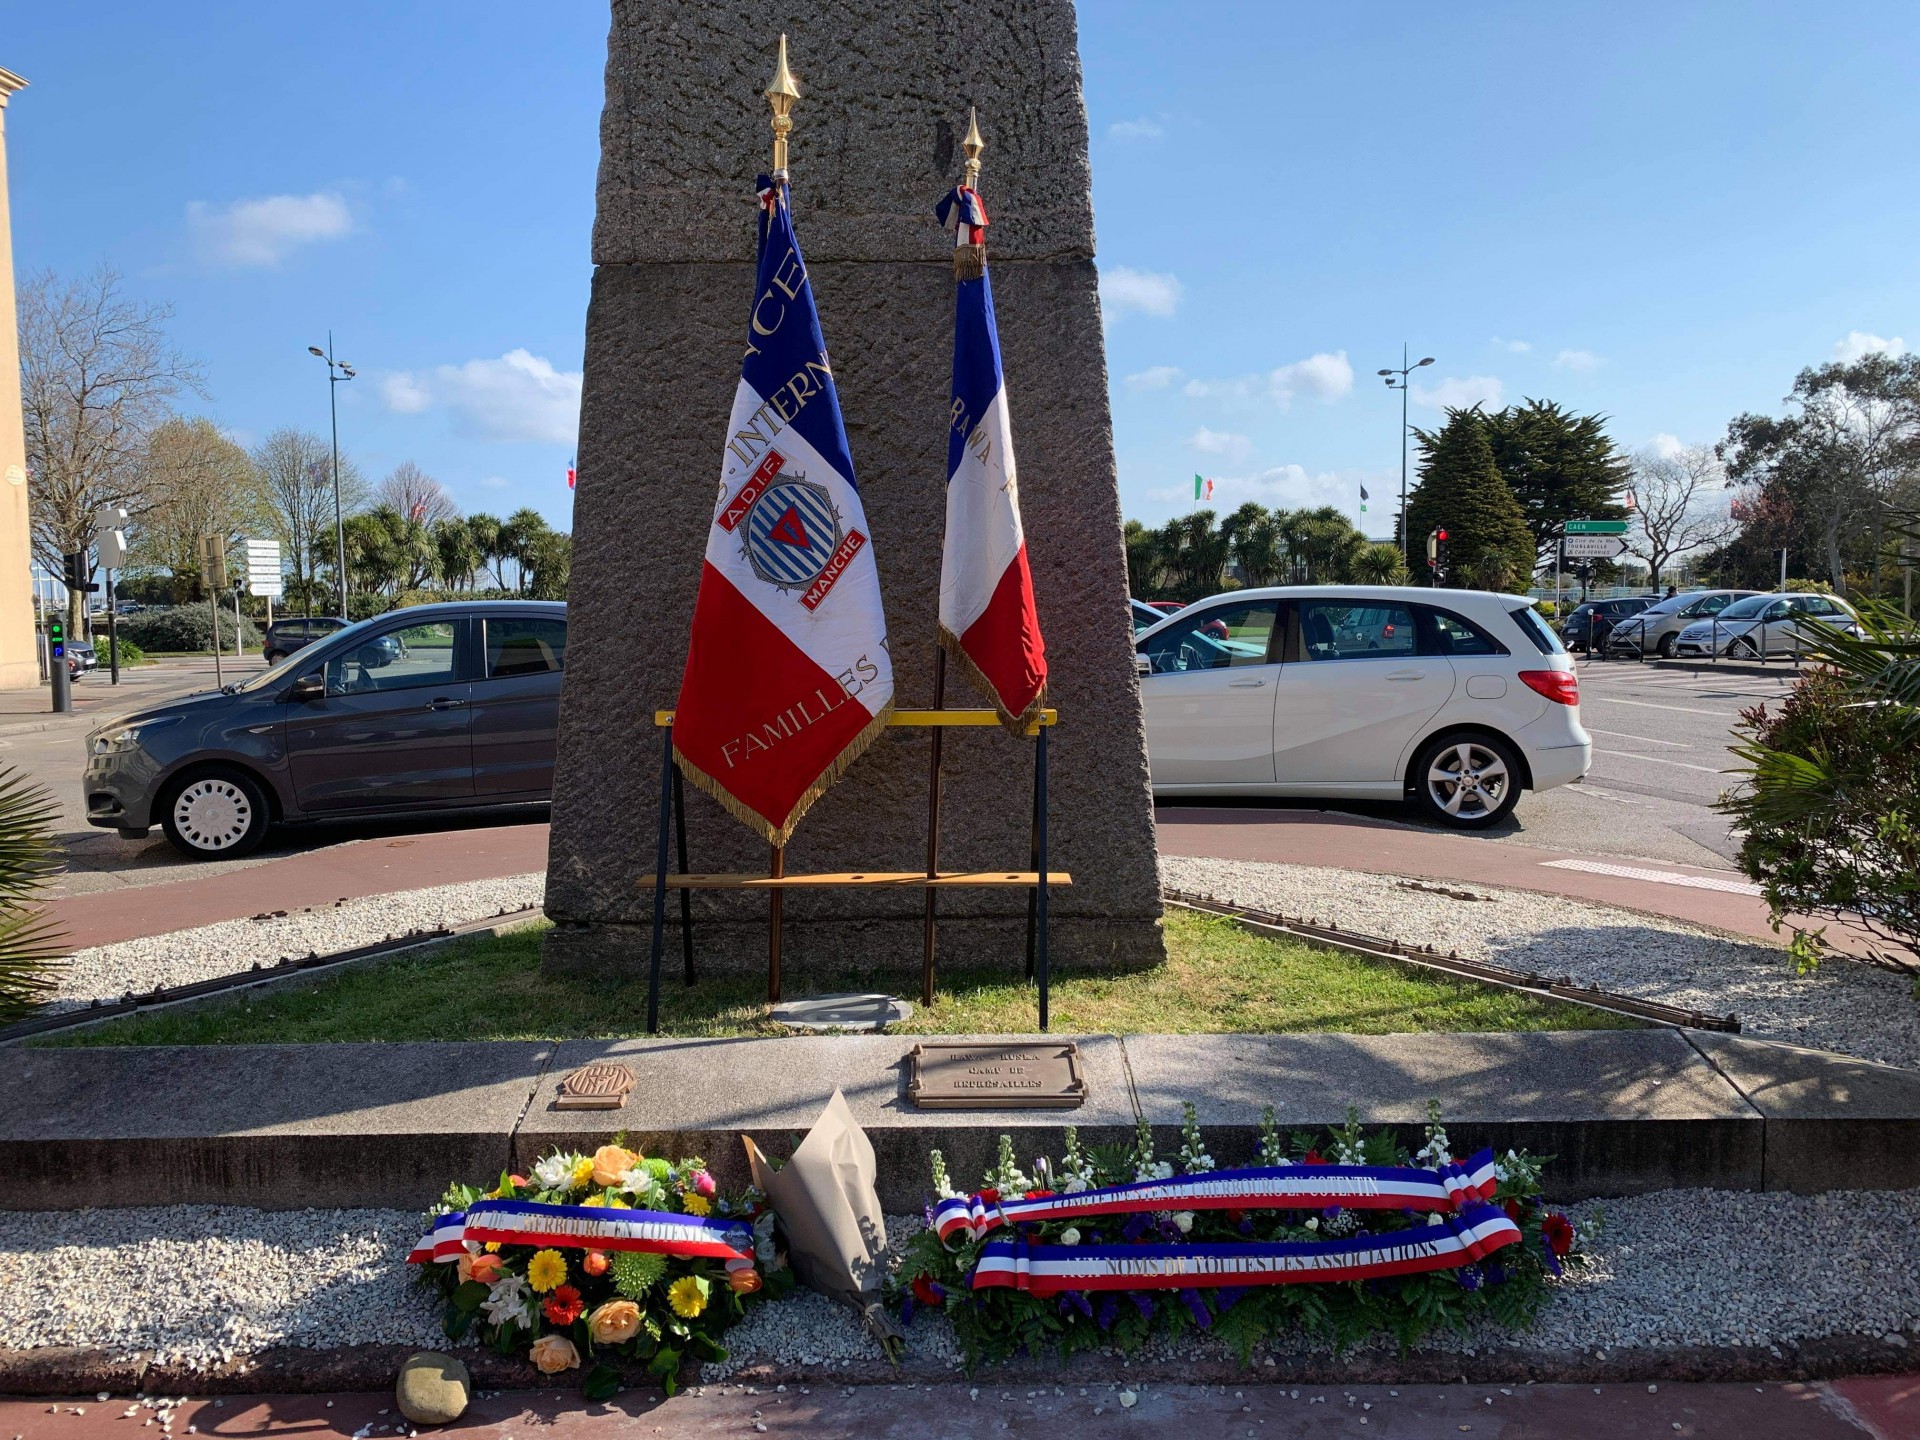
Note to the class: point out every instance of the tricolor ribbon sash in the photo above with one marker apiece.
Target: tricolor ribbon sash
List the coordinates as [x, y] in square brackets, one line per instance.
[581, 1227]
[1286, 1187]
[1446, 1243]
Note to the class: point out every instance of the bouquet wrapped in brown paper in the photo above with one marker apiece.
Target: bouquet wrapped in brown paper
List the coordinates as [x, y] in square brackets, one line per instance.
[827, 1204]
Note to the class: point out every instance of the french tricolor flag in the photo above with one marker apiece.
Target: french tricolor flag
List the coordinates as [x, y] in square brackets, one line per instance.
[788, 678]
[988, 621]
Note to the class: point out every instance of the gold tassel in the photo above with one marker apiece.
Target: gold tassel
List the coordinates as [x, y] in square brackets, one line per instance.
[1027, 721]
[756, 822]
[969, 262]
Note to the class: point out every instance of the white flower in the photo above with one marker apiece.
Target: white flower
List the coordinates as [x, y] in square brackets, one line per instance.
[1183, 1221]
[509, 1301]
[1434, 1220]
[1070, 1236]
[1313, 1222]
[555, 1172]
[1076, 1185]
[641, 1185]
[1163, 1171]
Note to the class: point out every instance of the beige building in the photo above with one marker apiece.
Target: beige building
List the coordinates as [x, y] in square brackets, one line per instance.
[19, 659]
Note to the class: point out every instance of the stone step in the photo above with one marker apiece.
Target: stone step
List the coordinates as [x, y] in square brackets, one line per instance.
[290, 1126]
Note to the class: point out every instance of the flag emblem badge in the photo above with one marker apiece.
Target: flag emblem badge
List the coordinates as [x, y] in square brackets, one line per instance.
[792, 532]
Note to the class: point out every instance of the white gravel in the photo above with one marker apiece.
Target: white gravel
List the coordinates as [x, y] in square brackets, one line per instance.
[182, 957]
[200, 1284]
[1845, 1006]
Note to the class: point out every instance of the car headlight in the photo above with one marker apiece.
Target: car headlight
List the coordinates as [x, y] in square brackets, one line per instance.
[121, 738]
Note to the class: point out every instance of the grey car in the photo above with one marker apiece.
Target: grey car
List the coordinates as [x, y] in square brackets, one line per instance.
[1655, 630]
[430, 709]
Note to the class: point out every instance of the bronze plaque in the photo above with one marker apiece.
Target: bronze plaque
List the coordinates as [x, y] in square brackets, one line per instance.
[980, 1075]
[603, 1085]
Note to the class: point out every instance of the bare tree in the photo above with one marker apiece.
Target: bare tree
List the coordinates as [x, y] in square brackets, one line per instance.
[295, 470]
[416, 495]
[198, 483]
[1679, 506]
[97, 374]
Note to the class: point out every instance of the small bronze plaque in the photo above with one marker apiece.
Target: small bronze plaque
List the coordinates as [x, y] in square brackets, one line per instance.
[1021, 1075]
[603, 1085]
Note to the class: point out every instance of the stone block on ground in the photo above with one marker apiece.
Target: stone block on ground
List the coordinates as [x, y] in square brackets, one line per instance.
[433, 1389]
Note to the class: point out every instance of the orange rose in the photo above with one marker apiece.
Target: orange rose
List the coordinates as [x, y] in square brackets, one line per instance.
[486, 1268]
[610, 1162]
[613, 1322]
[743, 1281]
[596, 1262]
[553, 1353]
[519, 1182]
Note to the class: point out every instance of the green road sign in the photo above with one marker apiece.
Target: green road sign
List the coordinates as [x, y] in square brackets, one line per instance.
[1596, 527]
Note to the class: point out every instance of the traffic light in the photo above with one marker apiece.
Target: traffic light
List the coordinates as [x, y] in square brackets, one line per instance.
[76, 574]
[1437, 554]
[56, 637]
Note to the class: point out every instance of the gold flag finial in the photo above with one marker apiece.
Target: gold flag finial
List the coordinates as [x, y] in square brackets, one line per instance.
[781, 93]
[973, 145]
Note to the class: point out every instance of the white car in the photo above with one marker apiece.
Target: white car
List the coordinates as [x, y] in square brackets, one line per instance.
[1765, 625]
[1455, 700]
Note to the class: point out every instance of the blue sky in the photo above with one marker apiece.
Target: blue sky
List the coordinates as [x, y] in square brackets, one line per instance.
[1653, 211]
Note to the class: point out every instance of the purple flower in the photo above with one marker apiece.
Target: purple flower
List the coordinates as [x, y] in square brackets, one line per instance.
[1108, 1312]
[906, 1309]
[1332, 1212]
[1197, 1307]
[1553, 1260]
[1468, 1277]
[1142, 1302]
[1246, 1227]
[926, 1212]
[1227, 1296]
[1135, 1227]
[1169, 1231]
[1072, 1300]
[1496, 1274]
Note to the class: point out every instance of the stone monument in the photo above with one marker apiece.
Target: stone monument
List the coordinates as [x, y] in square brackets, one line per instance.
[885, 90]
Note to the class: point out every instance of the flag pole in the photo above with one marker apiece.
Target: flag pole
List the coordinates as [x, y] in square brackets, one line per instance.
[973, 145]
[781, 92]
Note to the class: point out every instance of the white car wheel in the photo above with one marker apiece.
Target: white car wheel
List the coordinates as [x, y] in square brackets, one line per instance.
[1468, 781]
[216, 816]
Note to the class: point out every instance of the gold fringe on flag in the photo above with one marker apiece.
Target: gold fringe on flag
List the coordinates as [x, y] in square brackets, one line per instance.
[753, 819]
[1027, 722]
[969, 262]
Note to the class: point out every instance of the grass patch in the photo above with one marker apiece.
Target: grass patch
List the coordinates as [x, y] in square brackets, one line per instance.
[1218, 978]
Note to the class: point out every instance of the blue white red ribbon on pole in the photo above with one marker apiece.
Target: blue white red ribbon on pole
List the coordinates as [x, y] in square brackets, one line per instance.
[1452, 1186]
[581, 1227]
[1445, 1243]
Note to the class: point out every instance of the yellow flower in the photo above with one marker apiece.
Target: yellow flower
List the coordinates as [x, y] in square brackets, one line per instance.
[688, 1296]
[493, 1247]
[614, 1202]
[582, 1173]
[696, 1205]
[610, 1162]
[592, 1200]
[553, 1353]
[547, 1269]
[615, 1322]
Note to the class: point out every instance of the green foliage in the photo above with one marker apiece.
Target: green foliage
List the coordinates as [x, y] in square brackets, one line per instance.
[185, 627]
[1380, 565]
[1190, 558]
[1831, 803]
[1462, 492]
[30, 948]
[1559, 465]
[129, 653]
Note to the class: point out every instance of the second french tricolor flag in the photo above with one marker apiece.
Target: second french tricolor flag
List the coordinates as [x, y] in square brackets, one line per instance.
[788, 677]
[989, 623]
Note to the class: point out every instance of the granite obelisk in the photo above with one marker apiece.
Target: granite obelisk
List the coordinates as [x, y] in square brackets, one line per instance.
[887, 86]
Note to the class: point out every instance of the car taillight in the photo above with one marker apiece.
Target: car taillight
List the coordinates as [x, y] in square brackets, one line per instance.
[1560, 686]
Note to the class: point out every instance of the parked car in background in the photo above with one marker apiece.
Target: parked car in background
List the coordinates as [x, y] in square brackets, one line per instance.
[1452, 700]
[428, 709]
[1144, 615]
[1655, 629]
[284, 637]
[81, 657]
[1765, 626]
[1579, 623]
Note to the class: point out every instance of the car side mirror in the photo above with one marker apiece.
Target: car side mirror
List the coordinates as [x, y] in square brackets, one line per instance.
[1141, 664]
[308, 687]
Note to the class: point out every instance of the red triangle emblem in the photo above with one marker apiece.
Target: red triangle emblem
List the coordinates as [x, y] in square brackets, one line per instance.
[788, 530]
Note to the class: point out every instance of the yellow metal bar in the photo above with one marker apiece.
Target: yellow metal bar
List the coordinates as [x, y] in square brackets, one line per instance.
[901, 880]
[918, 719]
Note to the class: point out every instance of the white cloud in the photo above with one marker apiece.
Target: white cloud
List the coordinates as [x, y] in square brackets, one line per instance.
[1323, 376]
[1221, 442]
[1459, 393]
[519, 396]
[1512, 347]
[1154, 377]
[1859, 344]
[265, 231]
[496, 482]
[1123, 289]
[1141, 129]
[1666, 446]
[1581, 362]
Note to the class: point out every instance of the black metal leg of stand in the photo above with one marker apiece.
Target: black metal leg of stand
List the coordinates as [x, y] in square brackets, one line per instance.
[1040, 848]
[1033, 863]
[686, 896]
[660, 880]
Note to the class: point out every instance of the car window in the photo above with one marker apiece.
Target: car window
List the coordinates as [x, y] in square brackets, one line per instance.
[1711, 605]
[1457, 635]
[1343, 630]
[525, 647]
[401, 658]
[1218, 638]
[1537, 630]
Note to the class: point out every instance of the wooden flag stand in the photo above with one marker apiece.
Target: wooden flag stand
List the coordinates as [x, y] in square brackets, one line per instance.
[1036, 880]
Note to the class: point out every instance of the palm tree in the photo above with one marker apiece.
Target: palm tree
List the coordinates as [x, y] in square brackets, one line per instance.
[485, 530]
[1254, 535]
[30, 948]
[1380, 565]
[456, 556]
[520, 538]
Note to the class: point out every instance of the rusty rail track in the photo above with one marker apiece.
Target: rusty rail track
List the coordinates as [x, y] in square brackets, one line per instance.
[1425, 957]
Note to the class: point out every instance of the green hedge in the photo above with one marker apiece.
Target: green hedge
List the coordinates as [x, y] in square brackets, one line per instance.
[184, 627]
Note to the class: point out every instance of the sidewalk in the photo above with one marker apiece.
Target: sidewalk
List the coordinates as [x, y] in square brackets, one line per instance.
[1874, 1408]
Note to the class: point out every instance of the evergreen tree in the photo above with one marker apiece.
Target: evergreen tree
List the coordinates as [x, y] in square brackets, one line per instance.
[1560, 467]
[1462, 492]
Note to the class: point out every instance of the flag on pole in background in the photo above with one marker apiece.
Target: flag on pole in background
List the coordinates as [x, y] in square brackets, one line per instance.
[1363, 499]
[788, 678]
[570, 474]
[989, 622]
[1202, 488]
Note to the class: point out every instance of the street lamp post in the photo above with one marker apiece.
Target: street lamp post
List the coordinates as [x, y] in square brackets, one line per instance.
[337, 370]
[1397, 380]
